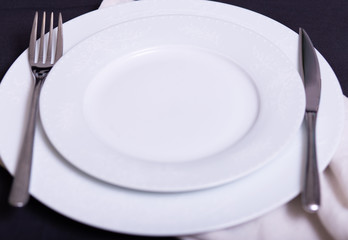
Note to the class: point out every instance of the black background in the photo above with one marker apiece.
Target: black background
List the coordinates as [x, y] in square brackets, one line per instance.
[325, 21]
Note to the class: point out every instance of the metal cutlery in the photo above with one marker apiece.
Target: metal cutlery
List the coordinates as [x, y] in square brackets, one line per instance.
[40, 68]
[309, 67]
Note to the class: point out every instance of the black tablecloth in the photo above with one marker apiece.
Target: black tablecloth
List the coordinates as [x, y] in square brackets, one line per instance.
[325, 21]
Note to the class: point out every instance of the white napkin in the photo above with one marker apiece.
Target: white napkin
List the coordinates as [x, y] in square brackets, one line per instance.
[109, 3]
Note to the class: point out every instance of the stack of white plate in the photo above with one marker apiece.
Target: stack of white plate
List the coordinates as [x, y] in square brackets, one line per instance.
[169, 118]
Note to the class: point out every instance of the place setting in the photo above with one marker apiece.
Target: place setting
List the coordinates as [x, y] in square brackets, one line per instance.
[172, 118]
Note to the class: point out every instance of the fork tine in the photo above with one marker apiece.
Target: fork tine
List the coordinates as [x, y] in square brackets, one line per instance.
[49, 47]
[59, 46]
[42, 38]
[32, 43]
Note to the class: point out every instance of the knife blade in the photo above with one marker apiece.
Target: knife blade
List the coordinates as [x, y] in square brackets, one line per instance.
[310, 71]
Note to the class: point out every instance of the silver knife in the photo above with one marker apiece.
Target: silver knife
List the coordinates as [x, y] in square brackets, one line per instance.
[309, 67]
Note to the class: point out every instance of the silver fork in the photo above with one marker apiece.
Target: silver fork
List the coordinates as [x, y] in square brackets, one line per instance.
[40, 68]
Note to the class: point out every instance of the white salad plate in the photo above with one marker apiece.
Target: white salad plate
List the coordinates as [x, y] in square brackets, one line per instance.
[172, 103]
[66, 189]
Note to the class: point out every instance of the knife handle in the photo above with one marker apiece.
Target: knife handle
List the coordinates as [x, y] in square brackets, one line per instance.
[311, 191]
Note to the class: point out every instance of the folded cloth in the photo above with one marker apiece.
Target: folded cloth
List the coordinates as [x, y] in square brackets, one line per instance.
[109, 3]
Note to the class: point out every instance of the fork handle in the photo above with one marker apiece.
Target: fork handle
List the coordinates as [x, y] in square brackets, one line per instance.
[311, 190]
[19, 194]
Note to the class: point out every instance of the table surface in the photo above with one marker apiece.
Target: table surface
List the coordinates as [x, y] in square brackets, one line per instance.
[324, 21]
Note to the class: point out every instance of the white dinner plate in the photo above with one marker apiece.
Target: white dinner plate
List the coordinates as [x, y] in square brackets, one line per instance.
[172, 103]
[67, 190]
